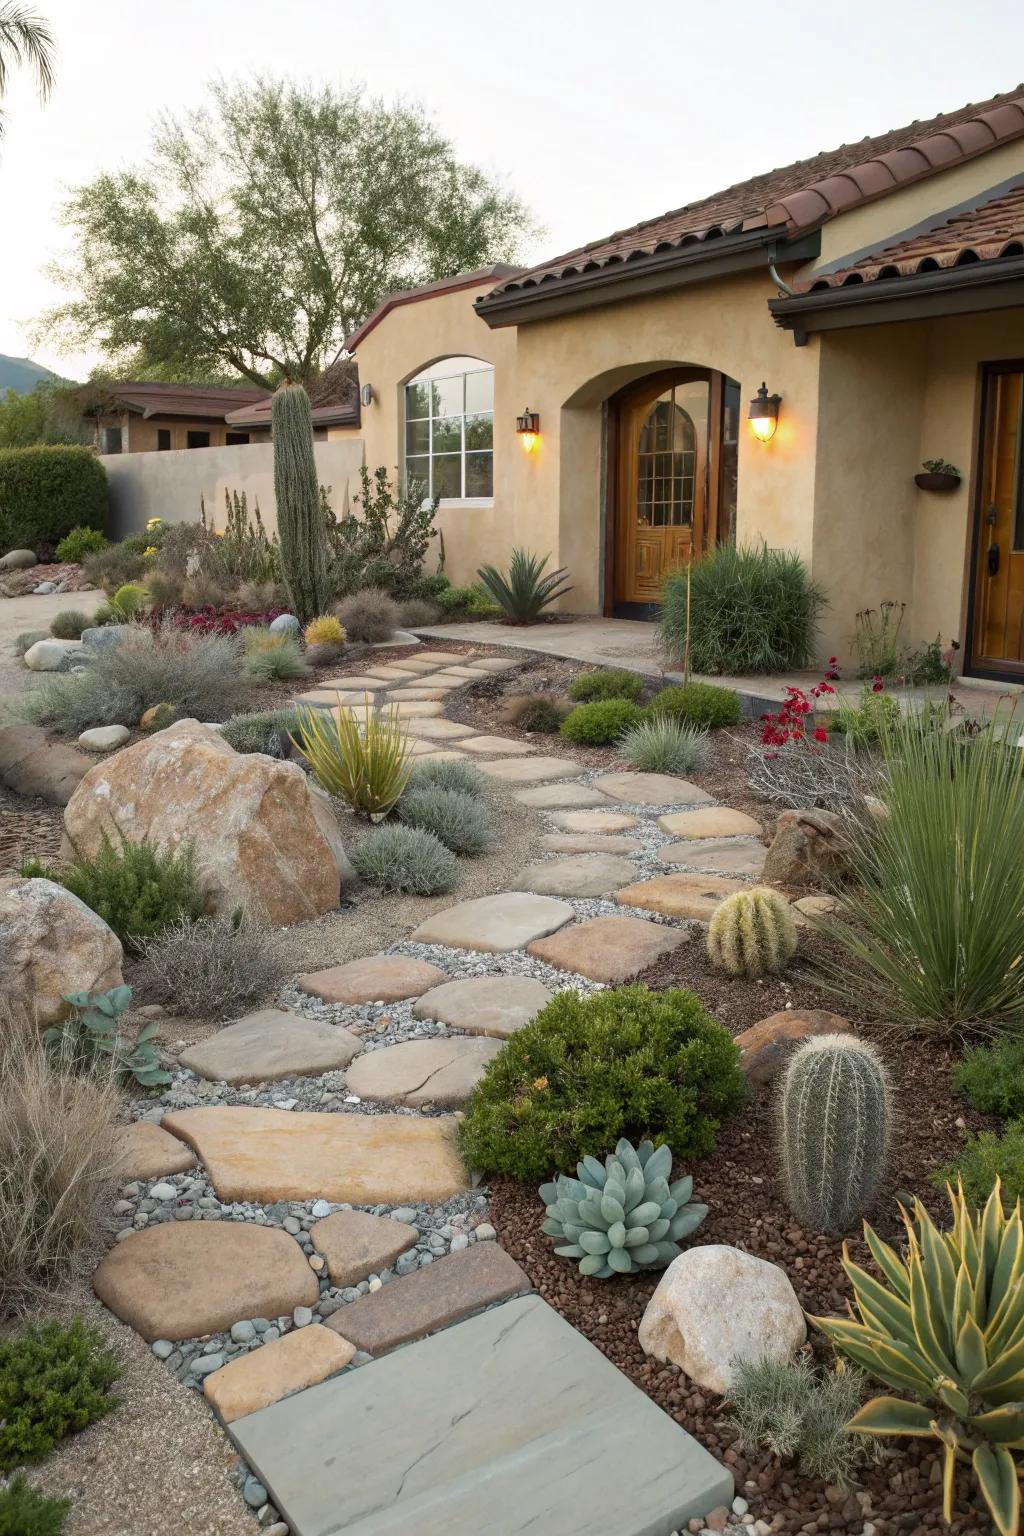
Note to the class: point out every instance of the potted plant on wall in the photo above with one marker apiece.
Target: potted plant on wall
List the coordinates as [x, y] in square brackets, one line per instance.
[939, 475]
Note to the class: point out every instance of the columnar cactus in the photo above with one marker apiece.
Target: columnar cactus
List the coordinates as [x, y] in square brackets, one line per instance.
[752, 933]
[834, 1130]
[297, 491]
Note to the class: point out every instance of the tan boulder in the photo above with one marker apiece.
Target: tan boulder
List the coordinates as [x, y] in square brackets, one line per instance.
[766, 1046]
[264, 839]
[52, 944]
[809, 848]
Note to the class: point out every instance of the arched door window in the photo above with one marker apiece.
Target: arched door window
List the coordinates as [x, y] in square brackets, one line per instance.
[449, 429]
[666, 466]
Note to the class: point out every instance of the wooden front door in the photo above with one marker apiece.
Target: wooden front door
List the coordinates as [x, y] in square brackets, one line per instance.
[662, 477]
[998, 606]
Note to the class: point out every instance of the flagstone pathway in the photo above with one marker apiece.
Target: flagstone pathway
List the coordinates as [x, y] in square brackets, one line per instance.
[310, 1212]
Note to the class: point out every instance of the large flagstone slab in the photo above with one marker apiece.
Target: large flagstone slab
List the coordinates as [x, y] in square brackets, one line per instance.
[417, 709]
[271, 1044]
[436, 729]
[147, 1151]
[181, 1279]
[357, 684]
[548, 797]
[406, 695]
[510, 1423]
[374, 979]
[468, 674]
[651, 789]
[418, 1072]
[691, 896]
[608, 949]
[443, 658]
[587, 842]
[485, 1005]
[495, 924]
[280, 1154]
[300, 1359]
[356, 1244]
[391, 672]
[712, 821]
[501, 746]
[593, 820]
[495, 663]
[579, 874]
[532, 770]
[733, 855]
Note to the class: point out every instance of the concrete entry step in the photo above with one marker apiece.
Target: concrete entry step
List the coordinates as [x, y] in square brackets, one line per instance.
[510, 1422]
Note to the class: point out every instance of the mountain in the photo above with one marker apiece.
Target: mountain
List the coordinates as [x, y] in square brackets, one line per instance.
[21, 375]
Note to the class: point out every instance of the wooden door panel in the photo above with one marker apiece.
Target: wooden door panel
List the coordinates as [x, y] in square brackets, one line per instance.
[999, 593]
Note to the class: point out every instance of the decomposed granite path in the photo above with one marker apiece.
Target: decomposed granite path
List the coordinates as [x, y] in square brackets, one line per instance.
[300, 1240]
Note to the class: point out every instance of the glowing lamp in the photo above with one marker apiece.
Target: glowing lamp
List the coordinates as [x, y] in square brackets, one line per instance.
[528, 429]
[763, 414]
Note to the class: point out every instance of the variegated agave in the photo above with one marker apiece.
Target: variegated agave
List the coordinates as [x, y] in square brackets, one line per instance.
[621, 1215]
[947, 1327]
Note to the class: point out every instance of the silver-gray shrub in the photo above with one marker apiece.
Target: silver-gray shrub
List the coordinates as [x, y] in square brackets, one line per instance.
[794, 1411]
[835, 1127]
[212, 967]
[800, 775]
[462, 822]
[661, 744]
[465, 777]
[261, 731]
[396, 858]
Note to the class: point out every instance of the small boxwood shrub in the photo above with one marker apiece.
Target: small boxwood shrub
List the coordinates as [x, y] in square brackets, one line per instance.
[461, 821]
[74, 546]
[68, 624]
[55, 1379]
[45, 492]
[464, 777]
[137, 888]
[699, 703]
[660, 744]
[600, 723]
[751, 610]
[266, 732]
[589, 1070]
[396, 858]
[467, 603]
[606, 683]
[985, 1158]
[535, 712]
[24, 1511]
[992, 1077]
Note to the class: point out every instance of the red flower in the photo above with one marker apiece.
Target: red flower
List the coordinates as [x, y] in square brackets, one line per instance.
[876, 684]
[833, 661]
[819, 733]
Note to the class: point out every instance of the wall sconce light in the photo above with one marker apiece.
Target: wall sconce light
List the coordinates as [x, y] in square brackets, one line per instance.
[366, 394]
[528, 429]
[763, 414]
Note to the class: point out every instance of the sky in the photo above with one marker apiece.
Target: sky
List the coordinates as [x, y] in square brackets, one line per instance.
[598, 114]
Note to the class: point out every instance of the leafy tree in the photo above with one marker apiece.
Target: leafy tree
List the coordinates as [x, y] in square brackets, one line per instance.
[45, 415]
[264, 229]
[25, 39]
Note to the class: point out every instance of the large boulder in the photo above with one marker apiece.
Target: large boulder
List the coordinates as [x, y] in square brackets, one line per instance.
[715, 1304]
[51, 944]
[18, 560]
[264, 840]
[32, 764]
[51, 655]
[810, 847]
[766, 1046]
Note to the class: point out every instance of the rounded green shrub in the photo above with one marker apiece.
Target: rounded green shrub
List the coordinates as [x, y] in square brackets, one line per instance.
[464, 777]
[129, 600]
[138, 889]
[751, 610]
[46, 491]
[397, 858]
[74, 546]
[461, 821]
[68, 624]
[589, 1070]
[985, 1158]
[992, 1077]
[600, 723]
[699, 703]
[660, 744]
[606, 683]
[24, 1511]
[55, 1379]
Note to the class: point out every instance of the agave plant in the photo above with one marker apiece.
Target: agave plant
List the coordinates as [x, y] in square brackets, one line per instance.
[621, 1215]
[526, 590]
[367, 765]
[946, 1326]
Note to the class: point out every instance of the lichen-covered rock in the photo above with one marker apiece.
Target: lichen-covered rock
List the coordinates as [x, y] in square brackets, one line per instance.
[51, 944]
[263, 840]
[809, 848]
[715, 1304]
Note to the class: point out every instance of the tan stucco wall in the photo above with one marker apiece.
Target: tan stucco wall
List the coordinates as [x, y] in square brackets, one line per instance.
[142, 432]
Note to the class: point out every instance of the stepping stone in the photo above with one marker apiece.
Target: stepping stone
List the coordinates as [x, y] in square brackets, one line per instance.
[300, 1359]
[391, 674]
[581, 875]
[362, 683]
[419, 748]
[280, 1154]
[500, 745]
[593, 821]
[327, 698]
[651, 789]
[511, 1422]
[440, 757]
[548, 797]
[438, 730]
[692, 896]
[409, 695]
[534, 770]
[495, 663]
[442, 1073]
[735, 855]
[608, 949]
[419, 665]
[464, 674]
[442, 658]
[375, 979]
[588, 842]
[715, 821]
[485, 1005]
[181, 1279]
[418, 709]
[495, 924]
[433, 1297]
[147, 1151]
[271, 1044]
[356, 1244]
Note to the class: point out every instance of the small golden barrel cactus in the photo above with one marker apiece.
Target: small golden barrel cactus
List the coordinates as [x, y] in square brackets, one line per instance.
[326, 630]
[752, 933]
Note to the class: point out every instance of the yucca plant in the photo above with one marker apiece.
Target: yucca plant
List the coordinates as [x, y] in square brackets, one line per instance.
[367, 765]
[946, 1327]
[525, 590]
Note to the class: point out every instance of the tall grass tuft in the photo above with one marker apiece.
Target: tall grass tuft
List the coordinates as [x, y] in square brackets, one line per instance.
[365, 764]
[659, 744]
[751, 610]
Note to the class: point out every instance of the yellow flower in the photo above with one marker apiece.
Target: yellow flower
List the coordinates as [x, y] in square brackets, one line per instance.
[154, 522]
[540, 1083]
[219, 532]
[152, 550]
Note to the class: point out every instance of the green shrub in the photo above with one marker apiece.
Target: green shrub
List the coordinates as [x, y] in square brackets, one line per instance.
[137, 888]
[24, 1511]
[660, 744]
[699, 703]
[466, 603]
[992, 1077]
[74, 546]
[114, 567]
[68, 624]
[369, 617]
[600, 723]
[865, 723]
[464, 777]
[280, 663]
[213, 967]
[525, 591]
[793, 1410]
[462, 822]
[985, 1158]
[27, 639]
[606, 683]
[406, 859]
[589, 1070]
[751, 610]
[91, 1041]
[262, 732]
[386, 542]
[55, 1380]
[535, 712]
[47, 491]
[129, 601]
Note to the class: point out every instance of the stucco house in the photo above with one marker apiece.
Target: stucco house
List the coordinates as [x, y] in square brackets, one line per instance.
[145, 417]
[876, 291]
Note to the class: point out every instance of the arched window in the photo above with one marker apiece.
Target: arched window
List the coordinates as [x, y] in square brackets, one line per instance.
[449, 429]
[666, 465]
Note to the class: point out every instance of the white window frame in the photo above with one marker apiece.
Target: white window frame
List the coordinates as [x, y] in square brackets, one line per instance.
[448, 368]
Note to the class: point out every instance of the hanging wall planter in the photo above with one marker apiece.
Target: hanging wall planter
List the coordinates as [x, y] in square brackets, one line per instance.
[938, 476]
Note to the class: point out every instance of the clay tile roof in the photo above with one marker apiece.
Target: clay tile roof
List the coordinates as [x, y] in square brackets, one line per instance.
[149, 399]
[800, 197]
[333, 398]
[992, 229]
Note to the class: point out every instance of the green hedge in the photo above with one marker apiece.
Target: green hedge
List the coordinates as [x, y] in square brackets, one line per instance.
[47, 491]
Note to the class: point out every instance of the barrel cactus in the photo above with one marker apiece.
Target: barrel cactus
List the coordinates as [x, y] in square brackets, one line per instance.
[621, 1215]
[300, 523]
[752, 933]
[834, 1130]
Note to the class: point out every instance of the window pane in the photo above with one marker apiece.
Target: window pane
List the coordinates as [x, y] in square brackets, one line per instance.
[448, 474]
[480, 390]
[417, 437]
[418, 469]
[447, 396]
[448, 434]
[417, 400]
[479, 432]
[479, 474]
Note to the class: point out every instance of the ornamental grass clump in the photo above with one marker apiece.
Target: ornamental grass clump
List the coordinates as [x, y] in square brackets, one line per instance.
[367, 764]
[325, 630]
[752, 933]
[369, 616]
[55, 1380]
[69, 624]
[462, 822]
[703, 704]
[601, 723]
[409, 859]
[794, 1410]
[606, 683]
[279, 663]
[625, 1062]
[659, 744]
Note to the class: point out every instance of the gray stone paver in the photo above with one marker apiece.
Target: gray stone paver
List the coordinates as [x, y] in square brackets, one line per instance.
[549, 797]
[440, 1072]
[651, 789]
[608, 949]
[500, 746]
[588, 842]
[271, 1044]
[577, 874]
[532, 770]
[356, 1244]
[495, 924]
[485, 1005]
[373, 979]
[593, 821]
[729, 855]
